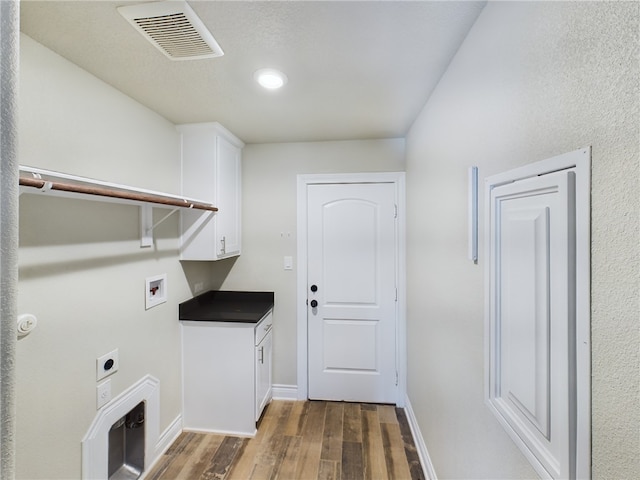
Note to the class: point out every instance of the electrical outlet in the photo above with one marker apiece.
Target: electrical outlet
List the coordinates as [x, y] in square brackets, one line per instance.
[198, 287]
[107, 364]
[103, 394]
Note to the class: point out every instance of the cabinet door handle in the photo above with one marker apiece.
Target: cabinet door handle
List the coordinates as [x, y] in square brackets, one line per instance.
[223, 245]
[261, 354]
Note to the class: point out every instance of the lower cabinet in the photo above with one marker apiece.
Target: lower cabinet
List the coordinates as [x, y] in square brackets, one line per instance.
[264, 384]
[226, 375]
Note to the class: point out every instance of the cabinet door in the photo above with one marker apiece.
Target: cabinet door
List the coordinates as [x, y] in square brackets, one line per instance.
[197, 227]
[211, 171]
[263, 374]
[228, 175]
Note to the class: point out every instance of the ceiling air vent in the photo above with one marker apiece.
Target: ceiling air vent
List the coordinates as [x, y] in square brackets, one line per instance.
[173, 28]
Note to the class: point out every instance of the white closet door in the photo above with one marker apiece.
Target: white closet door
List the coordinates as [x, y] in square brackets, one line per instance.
[532, 316]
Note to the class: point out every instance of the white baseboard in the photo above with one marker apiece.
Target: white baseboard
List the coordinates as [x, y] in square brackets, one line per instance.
[169, 436]
[423, 454]
[224, 433]
[285, 392]
[165, 440]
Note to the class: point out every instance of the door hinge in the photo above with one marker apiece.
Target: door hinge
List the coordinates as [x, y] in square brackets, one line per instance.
[396, 379]
[395, 211]
[396, 294]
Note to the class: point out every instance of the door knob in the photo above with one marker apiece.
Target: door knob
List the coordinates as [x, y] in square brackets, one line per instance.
[314, 303]
[314, 288]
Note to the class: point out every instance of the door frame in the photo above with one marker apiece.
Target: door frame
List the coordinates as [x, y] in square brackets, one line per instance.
[580, 161]
[303, 181]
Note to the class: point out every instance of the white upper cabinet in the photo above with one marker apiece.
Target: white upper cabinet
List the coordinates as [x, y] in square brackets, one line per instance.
[211, 167]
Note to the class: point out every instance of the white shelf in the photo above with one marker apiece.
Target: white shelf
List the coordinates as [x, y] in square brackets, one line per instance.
[52, 178]
[47, 182]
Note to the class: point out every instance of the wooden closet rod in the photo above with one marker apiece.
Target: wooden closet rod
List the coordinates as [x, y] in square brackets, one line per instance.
[105, 192]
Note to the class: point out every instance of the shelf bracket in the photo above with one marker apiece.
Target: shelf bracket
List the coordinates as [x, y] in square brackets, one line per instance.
[147, 226]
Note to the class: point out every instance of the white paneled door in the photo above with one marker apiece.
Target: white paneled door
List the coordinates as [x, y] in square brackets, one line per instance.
[352, 292]
[532, 328]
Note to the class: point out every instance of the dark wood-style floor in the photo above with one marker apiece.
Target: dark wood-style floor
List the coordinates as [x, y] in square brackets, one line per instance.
[302, 441]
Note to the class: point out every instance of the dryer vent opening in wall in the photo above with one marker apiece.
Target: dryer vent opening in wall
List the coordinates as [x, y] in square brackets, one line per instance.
[126, 445]
[124, 434]
[174, 29]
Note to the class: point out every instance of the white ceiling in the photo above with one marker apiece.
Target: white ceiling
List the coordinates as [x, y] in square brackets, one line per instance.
[356, 70]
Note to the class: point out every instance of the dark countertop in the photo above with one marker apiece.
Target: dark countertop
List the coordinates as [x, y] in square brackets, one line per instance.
[227, 306]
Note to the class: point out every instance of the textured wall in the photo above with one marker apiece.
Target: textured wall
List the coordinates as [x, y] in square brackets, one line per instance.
[269, 223]
[532, 80]
[9, 35]
[81, 268]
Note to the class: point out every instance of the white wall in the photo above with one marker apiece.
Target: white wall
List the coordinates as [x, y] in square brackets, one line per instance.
[532, 80]
[269, 223]
[81, 268]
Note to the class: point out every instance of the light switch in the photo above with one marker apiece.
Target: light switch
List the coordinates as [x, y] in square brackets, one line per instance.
[288, 263]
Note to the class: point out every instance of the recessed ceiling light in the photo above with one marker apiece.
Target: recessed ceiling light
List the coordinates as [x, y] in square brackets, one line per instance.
[270, 78]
